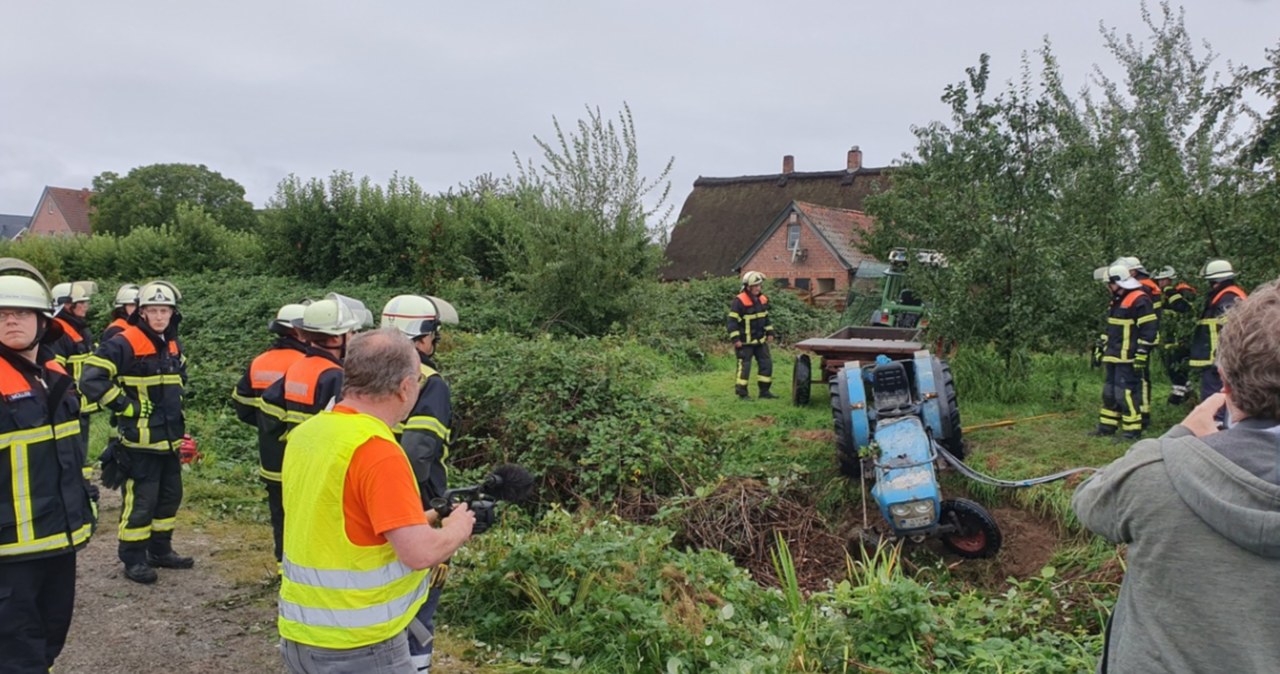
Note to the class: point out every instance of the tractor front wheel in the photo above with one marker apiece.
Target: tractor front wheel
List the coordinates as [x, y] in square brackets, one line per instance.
[977, 535]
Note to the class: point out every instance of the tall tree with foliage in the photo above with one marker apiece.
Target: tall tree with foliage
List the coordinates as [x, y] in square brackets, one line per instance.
[586, 245]
[149, 196]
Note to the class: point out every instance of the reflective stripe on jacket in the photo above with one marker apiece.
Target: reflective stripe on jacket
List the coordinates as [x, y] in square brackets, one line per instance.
[133, 366]
[333, 593]
[1131, 326]
[1204, 341]
[41, 452]
[71, 350]
[749, 319]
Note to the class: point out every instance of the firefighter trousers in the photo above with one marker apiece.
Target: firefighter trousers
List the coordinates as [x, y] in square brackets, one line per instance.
[760, 352]
[36, 599]
[152, 495]
[275, 506]
[1121, 398]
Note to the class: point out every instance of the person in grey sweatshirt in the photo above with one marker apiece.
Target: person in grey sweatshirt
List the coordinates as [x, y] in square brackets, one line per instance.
[1200, 511]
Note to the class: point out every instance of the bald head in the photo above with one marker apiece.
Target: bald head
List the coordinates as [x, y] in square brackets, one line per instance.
[377, 363]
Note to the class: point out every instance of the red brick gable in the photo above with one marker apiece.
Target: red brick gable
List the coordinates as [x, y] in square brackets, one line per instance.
[61, 210]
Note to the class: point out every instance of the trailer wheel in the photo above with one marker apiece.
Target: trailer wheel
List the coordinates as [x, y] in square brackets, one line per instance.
[846, 449]
[952, 435]
[978, 536]
[801, 379]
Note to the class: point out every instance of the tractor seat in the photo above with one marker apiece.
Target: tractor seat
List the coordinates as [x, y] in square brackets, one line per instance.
[892, 390]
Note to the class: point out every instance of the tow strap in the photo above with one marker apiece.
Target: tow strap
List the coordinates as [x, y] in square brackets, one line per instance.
[1011, 484]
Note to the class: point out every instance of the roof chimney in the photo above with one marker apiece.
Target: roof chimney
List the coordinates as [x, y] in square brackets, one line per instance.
[788, 164]
[855, 159]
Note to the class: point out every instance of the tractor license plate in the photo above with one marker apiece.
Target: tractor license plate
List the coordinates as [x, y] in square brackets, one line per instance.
[916, 522]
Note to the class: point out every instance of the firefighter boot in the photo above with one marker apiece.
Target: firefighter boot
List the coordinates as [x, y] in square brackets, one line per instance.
[160, 553]
[741, 390]
[1102, 431]
[1178, 395]
[140, 573]
[764, 391]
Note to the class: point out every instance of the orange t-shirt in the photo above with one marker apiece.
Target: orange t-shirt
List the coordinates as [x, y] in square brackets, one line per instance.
[380, 492]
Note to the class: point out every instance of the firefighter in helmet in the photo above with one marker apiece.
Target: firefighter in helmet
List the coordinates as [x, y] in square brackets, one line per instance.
[1178, 298]
[1223, 294]
[1154, 291]
[265, 369]
[424, 435]
[750, 331]
[1131, 334]
[310, 385]
[141, 375]
[46, 511]
[125, 303]
[71, 308]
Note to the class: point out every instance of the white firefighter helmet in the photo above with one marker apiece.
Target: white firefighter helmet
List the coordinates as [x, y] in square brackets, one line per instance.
[23, 287]
[417, 315]
[1217, 270]
[126, 295]
[159, 294]
[1117, 273]
[1100, 274]
[334, 315]
[1165, 272]
[752, 278]
[287, 315]
[70, 293]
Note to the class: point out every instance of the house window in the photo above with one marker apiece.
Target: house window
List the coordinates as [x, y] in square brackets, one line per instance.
[826, 285]
[793, 236]
[802, 283]
[782, 282]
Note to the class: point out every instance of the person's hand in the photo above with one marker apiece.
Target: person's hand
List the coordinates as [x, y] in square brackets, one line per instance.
[461, 520]
[737, 344]
[1200, 421]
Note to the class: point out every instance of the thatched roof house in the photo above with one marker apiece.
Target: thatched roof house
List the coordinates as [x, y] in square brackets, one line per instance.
[723, 217]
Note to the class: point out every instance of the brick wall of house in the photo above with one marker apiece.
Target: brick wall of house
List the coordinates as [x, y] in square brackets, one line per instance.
[774, 261]
[48, 219]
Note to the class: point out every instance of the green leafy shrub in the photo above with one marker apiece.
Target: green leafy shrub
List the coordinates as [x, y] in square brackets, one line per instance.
[581, 413]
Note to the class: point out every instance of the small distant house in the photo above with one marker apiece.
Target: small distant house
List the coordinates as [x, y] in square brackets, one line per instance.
[61, 211]
[723, 220]
[12, 226]
[810, 248]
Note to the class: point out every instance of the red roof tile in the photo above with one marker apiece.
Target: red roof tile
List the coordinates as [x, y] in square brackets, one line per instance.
[74, 205]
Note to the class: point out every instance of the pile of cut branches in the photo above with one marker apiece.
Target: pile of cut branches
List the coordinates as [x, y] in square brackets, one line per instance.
[743, 518]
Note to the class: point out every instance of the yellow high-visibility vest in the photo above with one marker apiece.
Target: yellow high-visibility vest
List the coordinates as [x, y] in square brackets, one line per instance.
[334, 593]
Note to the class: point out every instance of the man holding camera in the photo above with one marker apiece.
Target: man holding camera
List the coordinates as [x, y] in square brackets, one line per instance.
[1200, 511]
[358, 545]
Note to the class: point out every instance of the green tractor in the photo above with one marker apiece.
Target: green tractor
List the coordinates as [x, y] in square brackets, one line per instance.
[900, 307]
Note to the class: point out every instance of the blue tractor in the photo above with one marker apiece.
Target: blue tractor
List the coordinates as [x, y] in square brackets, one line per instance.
[894, 421]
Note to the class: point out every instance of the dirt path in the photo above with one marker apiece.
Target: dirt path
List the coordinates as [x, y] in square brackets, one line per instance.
[217, 617]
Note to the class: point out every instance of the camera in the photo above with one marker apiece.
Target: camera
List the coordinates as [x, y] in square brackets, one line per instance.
[507, 482]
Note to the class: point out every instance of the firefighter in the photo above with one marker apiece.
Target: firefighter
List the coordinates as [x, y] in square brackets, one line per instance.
[126, 302]
[1131, 333]
[265, 369]
[751, 332]
[46, 512]
[71, 307]
[424, 435]
[312, 383]
[1178, 298]
[1223, 293]
[140, 375]
[1152, 289]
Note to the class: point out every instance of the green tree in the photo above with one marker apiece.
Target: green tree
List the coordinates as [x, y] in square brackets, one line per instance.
[149, 197]
[586, 243]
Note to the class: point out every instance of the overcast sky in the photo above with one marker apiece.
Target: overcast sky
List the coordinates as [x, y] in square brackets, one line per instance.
[444, 92]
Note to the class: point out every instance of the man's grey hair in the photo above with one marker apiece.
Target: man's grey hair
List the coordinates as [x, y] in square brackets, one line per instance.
[377, 361]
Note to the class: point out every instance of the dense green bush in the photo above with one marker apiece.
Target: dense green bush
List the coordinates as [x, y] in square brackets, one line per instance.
[580, 413]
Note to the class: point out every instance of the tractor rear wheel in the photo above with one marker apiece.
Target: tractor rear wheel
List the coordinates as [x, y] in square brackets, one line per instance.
[977, 536]
[801, 380]
[950, 409]
[846, 449]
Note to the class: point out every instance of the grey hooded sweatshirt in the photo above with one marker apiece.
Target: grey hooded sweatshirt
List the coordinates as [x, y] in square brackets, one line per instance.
[1201, 518]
